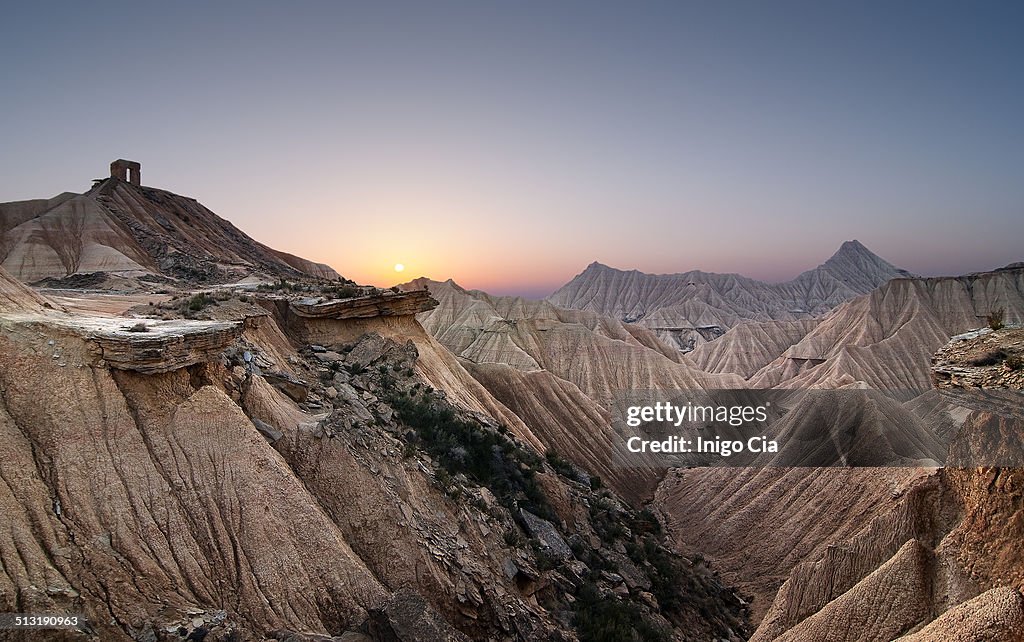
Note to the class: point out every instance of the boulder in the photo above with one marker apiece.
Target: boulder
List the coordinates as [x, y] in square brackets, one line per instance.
[407, 617]
[547, 535]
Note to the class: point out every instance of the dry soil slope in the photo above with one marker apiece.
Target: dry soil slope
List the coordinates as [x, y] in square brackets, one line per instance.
[119, 227]
[687, 309]
[869, 553]
[560, 370]
[750, 346]
[16, 297]
[886, 338]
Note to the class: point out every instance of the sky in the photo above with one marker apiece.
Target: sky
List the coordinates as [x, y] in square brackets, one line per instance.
[509, 144]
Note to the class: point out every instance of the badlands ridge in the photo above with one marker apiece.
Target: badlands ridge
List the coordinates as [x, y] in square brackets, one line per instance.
[204, 438]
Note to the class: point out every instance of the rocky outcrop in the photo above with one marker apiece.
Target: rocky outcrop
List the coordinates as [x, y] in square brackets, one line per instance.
[142, 345]
[381, 304]
[136, 499]
[408, 618]
[981, 358]
[163, 346]
[435, 364]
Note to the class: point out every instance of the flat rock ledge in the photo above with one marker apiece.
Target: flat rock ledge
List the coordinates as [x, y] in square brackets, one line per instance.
[163, 346]
[375, 305]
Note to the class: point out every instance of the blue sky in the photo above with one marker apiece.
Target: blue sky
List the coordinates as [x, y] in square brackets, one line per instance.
[508, 145]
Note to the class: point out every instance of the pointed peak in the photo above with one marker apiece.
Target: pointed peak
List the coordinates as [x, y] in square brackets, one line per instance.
[854, 246]
[856, 251]
[597, 266]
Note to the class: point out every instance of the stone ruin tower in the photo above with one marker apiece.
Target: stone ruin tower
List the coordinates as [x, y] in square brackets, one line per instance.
[126, 170]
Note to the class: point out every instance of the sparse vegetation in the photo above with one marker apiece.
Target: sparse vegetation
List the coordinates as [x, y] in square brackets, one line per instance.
[599, 618]
[1015, 362]
[200, 301]
[512, 537]
[996, 318]
[483, 455]
[139, 327]
[560, 465]
[990, 358]
[344, 291]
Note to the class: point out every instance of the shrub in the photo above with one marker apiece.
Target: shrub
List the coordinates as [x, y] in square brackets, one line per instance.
[606, 619]
[512, 537]
[996, 318]
[200, 301]
[990, 358]
[559, 465]
[1015, 362]
[345, 292]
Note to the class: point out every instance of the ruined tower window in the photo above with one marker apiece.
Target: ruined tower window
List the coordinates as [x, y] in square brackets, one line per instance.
[126, 170]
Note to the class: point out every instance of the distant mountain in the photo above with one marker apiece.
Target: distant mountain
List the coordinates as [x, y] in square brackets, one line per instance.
[688, 309]
[117, 227]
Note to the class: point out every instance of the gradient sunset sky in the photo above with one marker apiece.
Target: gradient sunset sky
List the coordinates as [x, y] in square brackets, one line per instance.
[508, 145]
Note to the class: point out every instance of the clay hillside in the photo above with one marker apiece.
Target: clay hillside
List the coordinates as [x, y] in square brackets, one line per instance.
[688, 309]
[560, 369]
[262, 451]
[301, 462]
[884, 339]
[899, 545]
[120, 231]
[929, 553]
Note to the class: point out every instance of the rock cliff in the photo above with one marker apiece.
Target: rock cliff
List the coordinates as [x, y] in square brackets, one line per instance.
[283, 475]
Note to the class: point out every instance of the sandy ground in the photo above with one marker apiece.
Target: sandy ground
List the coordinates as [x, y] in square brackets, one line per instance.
[100, 303]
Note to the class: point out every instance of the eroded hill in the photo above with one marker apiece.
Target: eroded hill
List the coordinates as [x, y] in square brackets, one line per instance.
[561, 370]
[124, 231]
[305, 469]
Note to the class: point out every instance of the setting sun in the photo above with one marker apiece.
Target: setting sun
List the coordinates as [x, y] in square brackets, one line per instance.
[399, 267]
